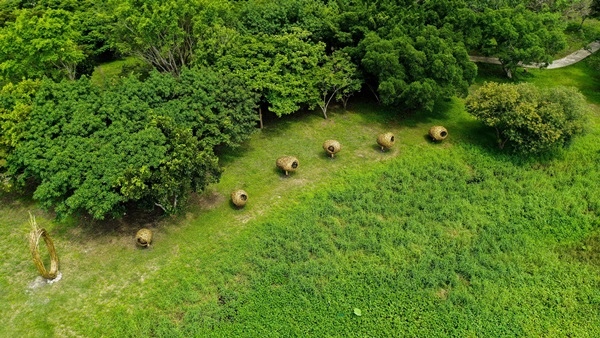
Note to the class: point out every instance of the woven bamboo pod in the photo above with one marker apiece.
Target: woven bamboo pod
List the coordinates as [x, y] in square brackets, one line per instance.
[34, 240]
[239, 198]
[386, 141]
[143, 237]
[438, 133]
[287, 163]
[332, 147]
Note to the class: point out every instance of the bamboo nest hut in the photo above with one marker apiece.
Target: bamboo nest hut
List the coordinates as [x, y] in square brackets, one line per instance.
[287, 164]
[332, 147]
[239, 198]
[143, 237]
[34, 239]
[438, 133]
[386, 141]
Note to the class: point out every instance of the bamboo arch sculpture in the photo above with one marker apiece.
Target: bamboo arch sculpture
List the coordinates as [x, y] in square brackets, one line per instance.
[34, 240]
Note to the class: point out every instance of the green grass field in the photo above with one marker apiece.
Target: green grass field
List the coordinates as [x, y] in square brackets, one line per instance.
[449, 239]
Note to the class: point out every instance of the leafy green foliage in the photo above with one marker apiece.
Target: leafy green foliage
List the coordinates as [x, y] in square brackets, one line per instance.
[336, 78]
[273, 17]
[279, 68]
[519, 36]
[166, 34]
[15, 106]
[416, 70]
[533, 120]
[143, 141]
[39, 44]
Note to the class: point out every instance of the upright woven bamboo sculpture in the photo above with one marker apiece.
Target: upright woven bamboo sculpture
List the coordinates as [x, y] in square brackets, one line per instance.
[34, 240]
[332, 147]
[143, 237]
[438, 133]
[239, 198]
[386, 141]
[287, 163]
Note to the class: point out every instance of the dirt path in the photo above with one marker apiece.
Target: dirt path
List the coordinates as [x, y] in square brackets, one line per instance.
[566, 61]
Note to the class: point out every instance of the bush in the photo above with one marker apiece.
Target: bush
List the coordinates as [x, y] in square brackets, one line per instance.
[533, 120]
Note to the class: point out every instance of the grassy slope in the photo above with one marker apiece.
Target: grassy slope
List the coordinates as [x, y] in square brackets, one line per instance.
[429, 239]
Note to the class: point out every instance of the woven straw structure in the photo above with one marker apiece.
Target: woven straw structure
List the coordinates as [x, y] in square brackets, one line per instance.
[332, 147]
[34, 240]
[386, 141]
[143, 237]
[239, 198]
[287, 163]
[438, 133]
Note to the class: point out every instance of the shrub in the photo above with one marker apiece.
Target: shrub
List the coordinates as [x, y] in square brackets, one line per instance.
[533, 120]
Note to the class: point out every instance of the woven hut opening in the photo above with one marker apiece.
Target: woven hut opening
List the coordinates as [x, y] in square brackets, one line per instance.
[142, 242]
[295, 164]
[392, 139]
[438, 133]
[239, 198]
[332, 147]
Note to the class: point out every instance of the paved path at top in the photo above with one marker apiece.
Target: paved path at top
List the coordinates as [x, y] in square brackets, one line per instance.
[566, 61]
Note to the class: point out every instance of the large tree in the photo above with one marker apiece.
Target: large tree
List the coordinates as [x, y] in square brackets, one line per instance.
[416, 68]
[519, 36]
[281, 68]
[166, 34]
[147, 142]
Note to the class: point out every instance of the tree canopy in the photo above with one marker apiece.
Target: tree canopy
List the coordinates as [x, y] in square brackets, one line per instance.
[148, 142]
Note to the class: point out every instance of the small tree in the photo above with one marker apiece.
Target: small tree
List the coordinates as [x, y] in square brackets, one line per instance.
[337, 79]
[39, 43]
[533, 120]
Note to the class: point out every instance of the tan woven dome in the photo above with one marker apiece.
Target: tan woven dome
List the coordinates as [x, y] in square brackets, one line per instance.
[287, 163]
[332, 147]
[143, 237]
[386, 141]
[239, 198]
[438, 133]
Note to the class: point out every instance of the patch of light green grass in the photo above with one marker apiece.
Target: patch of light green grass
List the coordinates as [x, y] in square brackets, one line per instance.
[107, 73]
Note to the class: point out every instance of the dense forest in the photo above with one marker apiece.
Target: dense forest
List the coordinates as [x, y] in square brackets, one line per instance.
[208, 69]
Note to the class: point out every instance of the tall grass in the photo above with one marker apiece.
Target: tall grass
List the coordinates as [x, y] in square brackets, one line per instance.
[449, 242]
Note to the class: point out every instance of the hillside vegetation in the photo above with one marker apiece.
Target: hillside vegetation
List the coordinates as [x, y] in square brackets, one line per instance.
[427, 239]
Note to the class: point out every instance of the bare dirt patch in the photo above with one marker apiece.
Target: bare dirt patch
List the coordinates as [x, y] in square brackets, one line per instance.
[587, 251]
[208, 200]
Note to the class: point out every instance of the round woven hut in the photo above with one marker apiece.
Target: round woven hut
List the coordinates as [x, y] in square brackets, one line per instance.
[287, 163]
[239, 198]
[34, 240]
[438, 133]
[332, 147]
[143, 237]
[386, 141]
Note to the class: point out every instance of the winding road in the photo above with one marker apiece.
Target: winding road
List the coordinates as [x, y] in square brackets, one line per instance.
[564, 62]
